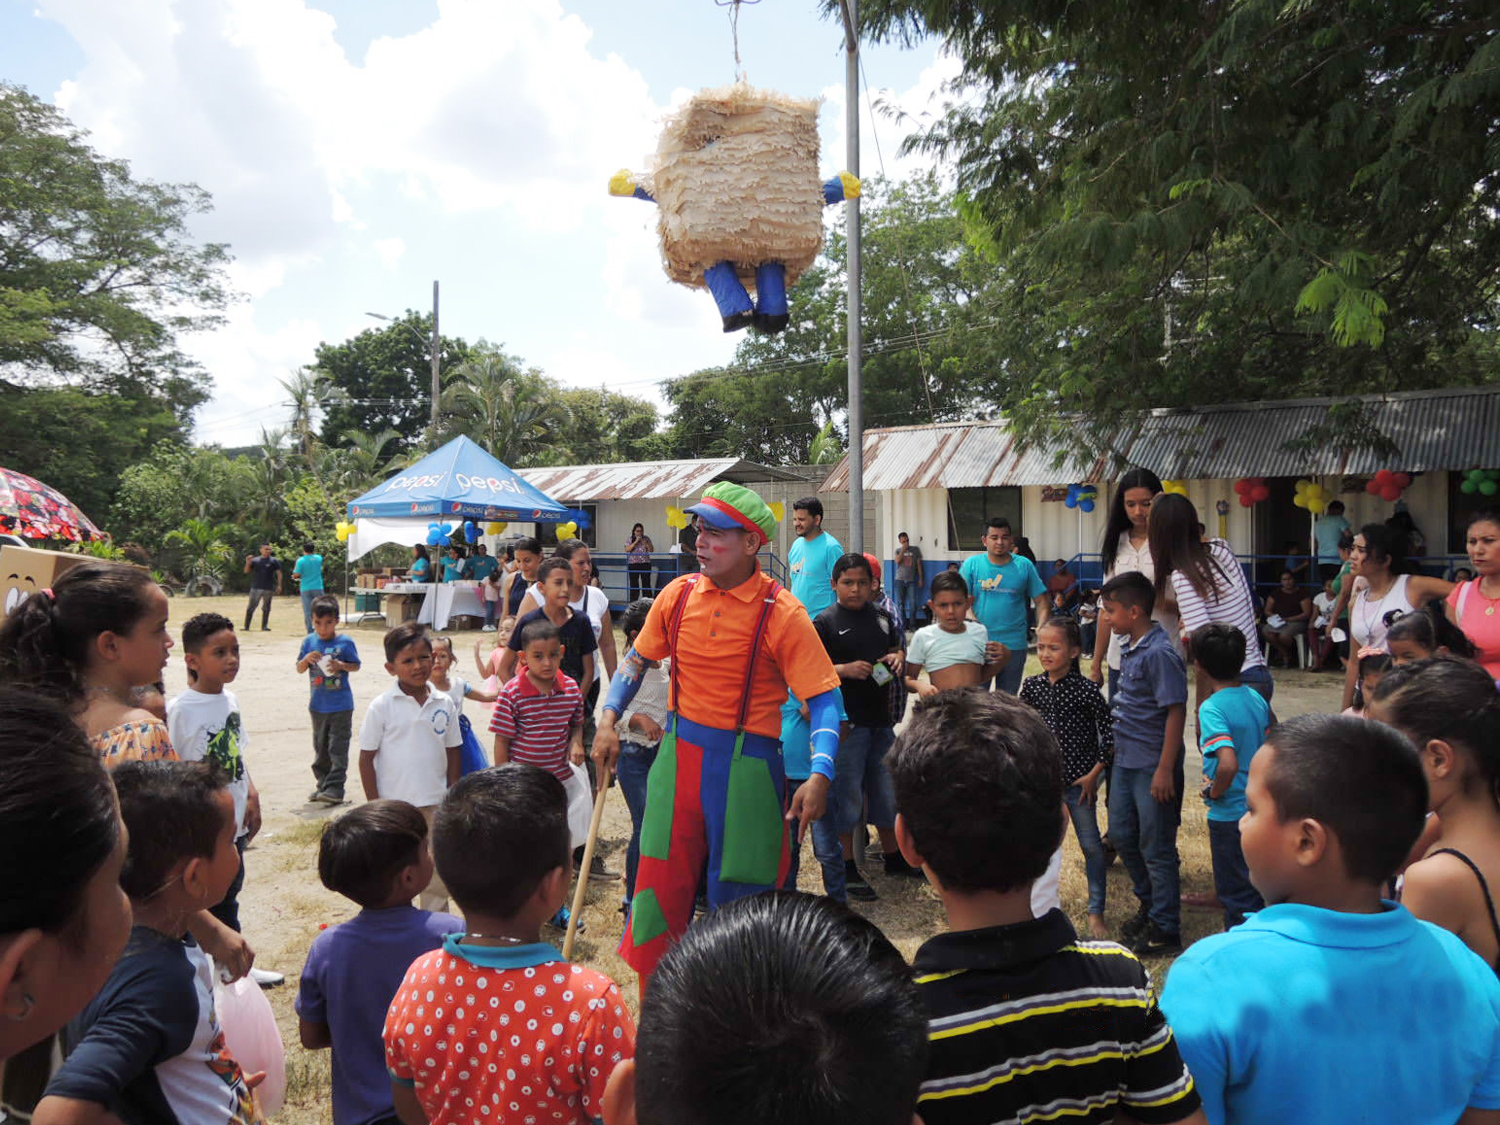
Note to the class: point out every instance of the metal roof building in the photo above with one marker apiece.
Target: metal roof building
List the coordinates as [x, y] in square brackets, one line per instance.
[648, 480]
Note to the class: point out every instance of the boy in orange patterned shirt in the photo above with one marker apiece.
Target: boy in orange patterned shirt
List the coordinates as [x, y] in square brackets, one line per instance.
[496, 1018]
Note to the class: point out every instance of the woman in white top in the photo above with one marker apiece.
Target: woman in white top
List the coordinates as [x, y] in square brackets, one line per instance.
[1209, 586]
[1126, 548]
[587, 599]
[1382, 591]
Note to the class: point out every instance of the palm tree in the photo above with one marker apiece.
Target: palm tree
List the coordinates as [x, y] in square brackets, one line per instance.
[205, 550]
[508, 411]
[312, 392]
[826, 447]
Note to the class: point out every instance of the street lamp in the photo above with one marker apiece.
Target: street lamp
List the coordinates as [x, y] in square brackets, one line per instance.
[434, 347]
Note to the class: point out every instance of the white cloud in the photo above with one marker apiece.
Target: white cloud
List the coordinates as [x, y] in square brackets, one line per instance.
[390, 250]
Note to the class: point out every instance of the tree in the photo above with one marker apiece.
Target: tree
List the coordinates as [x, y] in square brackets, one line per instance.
[205, 549]
[606, 427]
[1190, 203]
[513, 413]
[923, 357]
[311, 393]
[386, 376]
[98, 272]
[173, 485]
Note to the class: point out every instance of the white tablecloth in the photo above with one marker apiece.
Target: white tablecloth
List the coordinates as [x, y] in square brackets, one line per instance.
[449, 599]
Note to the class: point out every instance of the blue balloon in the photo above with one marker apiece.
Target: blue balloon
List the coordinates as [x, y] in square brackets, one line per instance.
[432, 538]
[471, 532]
[1071, 501]
[1086, 505]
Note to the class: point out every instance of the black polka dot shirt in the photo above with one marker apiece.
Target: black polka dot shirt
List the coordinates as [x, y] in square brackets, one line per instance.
[1075, 710]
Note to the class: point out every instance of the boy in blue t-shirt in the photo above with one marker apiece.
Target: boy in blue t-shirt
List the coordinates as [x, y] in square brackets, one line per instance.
[1149, 709]
[1004, 584]
[329, 656]
[1232, 724]
[1331, 1004]
[377, 856]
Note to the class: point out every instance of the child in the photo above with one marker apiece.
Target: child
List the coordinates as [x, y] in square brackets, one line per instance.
[377, 856]
[151, 698]
[1027, 1022]
[1149, 710]
[328, 656]
[489, 592]
[538, 718]
[149, 1048]
[1374, 663]
[1449, 708]
[1087, 614]
[1075, 712]
[1425, 632]
[205, 723]
[640, 737]
[1329, 1004]
[471, 754]
[821, 1026]
[955, 652]
[497, 1018]
[1317, 633]
[864, 644]
[554, 585]
[409, 742]
[1232, 724]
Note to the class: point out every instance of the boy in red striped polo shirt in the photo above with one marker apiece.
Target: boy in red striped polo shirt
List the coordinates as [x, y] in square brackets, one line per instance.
[538, 718]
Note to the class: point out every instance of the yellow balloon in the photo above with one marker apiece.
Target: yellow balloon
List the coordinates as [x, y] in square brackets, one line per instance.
[567, 530]
[494, 528]
[1304, 486]
[778, 509]
[1174, 486]
[1301, 500]
[1318, 506]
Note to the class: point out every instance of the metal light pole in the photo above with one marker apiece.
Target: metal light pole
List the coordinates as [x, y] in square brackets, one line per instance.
[435, 349]
[855, 306]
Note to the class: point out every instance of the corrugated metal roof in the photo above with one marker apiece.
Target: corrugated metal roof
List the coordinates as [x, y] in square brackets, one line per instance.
[646, 480]
[1434, 430]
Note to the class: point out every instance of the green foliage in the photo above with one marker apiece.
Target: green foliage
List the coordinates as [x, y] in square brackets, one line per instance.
[204, 548]
[175, 484]
[313, 514]
[509, 411]
[385, 377]
[98, 272]
[1190, 203]
[605, 426]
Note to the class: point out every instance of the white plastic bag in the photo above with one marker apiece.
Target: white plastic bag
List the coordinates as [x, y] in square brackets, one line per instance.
[250, 1032]
[580, 805]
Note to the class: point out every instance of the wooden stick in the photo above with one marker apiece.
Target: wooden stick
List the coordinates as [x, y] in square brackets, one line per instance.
[583, 870]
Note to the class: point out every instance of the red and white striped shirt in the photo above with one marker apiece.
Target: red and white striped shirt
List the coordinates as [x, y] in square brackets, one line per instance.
[536, 724]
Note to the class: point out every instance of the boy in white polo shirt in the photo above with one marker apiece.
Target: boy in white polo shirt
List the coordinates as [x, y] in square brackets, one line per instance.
[409, 743]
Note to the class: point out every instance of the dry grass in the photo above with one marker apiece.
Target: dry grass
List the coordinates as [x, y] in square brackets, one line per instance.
[285, 906]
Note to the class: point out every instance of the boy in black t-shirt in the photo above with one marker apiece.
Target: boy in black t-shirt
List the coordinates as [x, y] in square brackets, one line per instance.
[864, 644]
[554, 578]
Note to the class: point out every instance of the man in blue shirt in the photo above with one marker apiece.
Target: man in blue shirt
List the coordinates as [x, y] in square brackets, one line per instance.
[812, 557]
[1002, 583]
[481, 564]
[1328, 529]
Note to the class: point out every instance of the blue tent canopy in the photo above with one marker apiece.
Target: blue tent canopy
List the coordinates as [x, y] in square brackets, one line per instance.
[459, 481]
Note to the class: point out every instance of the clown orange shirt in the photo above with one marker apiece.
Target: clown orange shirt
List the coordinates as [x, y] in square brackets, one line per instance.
[713, 652]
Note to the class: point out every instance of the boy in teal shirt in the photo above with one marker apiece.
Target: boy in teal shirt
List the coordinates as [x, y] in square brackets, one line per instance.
[1002, 583]
[1232, 725]
[308, 571]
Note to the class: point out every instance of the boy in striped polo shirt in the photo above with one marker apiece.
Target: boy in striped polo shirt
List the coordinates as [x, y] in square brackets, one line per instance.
[538, 718]
[1025, 1022]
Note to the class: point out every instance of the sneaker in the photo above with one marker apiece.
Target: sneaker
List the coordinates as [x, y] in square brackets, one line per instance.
[563, 917]
[313, 797]
[1136, 926]
[855, 885]
[1156, 942]
[487, 629]
[266, 978]
[329, 798]
[896, 865]
[598, 873]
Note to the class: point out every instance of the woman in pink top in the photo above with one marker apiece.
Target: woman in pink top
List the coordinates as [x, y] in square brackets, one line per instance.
[1472, 605]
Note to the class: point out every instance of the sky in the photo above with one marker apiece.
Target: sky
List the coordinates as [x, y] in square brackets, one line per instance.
[358, 150]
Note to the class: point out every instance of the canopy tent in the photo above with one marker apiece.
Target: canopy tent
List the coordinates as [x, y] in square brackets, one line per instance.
[458, 482]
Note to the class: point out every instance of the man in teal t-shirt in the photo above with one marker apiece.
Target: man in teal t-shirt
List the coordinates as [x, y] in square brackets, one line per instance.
[308, 571]
[1002, 583]
[481, 564]
[812, 557]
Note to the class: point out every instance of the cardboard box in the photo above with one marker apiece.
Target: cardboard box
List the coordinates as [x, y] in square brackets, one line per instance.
[24, 571]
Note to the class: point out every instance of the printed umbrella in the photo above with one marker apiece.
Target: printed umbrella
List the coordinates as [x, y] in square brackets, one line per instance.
[33, 510]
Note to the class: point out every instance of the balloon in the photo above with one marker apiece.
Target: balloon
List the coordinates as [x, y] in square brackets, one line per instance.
[1301, 500]
[1304, 486]
[471, 532]
[1242, 486]
[1372, 486]
[676, 517]
[1086, 505]
[1071, 501]
[1403, 480]
[495, 529]
[1246, 502]
[1260, 493]
[1390, 493]
[1489, 488]
[1469, 486]
[1318, 507]
[778, 509]
[567, 530]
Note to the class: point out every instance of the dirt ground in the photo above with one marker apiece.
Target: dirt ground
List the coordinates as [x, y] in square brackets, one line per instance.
[284, 906]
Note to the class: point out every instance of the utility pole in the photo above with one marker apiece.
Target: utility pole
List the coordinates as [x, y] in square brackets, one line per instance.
[437, 373]
[855, 305]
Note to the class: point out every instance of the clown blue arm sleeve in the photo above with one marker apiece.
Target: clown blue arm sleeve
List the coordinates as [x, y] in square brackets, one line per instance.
[823, 716]
[626, 681]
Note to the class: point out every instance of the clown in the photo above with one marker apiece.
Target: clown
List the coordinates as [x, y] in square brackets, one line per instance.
[736, 181]
[738, 640]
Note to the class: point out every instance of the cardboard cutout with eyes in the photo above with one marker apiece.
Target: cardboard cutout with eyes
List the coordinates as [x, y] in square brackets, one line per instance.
[740, 200]
[25, 571]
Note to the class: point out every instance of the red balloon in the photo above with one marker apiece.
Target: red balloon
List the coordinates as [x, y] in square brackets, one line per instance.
[1391, 493]
[1384, 477]
[1245, 501]
[1372, 486]
[1403, 480]
[1242, 485]
[1260, 493]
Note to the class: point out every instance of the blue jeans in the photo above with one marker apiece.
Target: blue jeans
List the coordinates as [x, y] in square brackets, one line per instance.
[1144, 832]
[1232, 873]
[1014, 672]
[795, 869]
[308, 596]
[633, 767]
[1259, 678]
[860, 776]
[906, 601]
[1086, 827]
